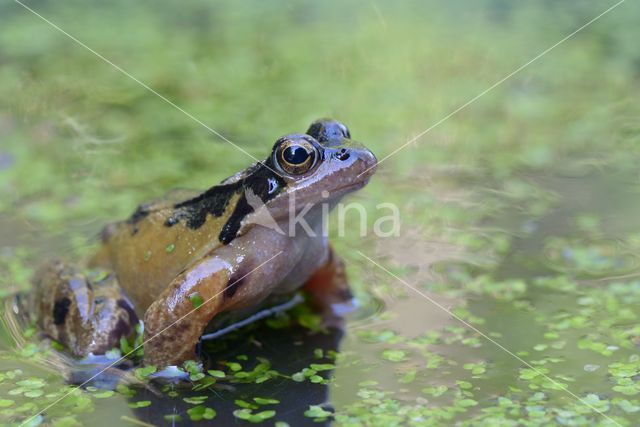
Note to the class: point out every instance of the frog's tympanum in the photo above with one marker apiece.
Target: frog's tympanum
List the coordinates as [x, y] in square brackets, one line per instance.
[181, 261]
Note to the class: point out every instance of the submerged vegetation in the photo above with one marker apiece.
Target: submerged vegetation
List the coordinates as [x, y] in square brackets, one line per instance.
[519, 213]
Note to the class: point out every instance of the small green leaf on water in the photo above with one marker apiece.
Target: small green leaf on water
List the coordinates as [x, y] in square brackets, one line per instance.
[234, 366]
[394, 355]
[125, 391]
[173, 417]
[216, 374]
[464, 385]
[248, 415]
[435, 391]
[103, 394]
[195, 400]
[6, 402]
[196, 377]
[198, 413]
[408, 377]
[69, 421]
[528, 374]
[369, 383]
[322, 366]
[627, 406]
[196, 300]
[140, 404]
[464, 403]
[244, 404]
[143, 373]
[317, 413]
[316, 379]
[312, 322]
[265, 401]
[629, 390]
[31, 383]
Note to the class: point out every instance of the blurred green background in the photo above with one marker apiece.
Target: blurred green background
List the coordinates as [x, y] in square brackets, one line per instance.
[82, 144]
[253, 71]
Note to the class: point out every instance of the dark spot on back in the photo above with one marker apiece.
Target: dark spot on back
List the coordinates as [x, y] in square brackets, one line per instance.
[231, 227]
[194, 211]
[236, 281]
[140, 213]
[60, 310]
[260, 180]
[125, 305]
[171, 221]
[121, 329]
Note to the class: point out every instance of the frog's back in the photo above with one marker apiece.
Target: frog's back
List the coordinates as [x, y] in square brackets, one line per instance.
[163, 237]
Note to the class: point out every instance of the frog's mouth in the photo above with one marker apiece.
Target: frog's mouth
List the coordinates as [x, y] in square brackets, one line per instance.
[298, 203]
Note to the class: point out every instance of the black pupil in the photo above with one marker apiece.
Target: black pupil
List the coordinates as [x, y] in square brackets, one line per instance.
[295, 155]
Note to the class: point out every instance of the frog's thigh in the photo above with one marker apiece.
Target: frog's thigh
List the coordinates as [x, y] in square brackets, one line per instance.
[178, 317]
[87, 316]
[329, 285]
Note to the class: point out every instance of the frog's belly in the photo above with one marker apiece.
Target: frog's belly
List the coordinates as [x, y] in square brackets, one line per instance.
[311, 253]
[306, 251]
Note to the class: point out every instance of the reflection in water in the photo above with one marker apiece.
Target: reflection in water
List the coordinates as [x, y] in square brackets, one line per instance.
[288, 351]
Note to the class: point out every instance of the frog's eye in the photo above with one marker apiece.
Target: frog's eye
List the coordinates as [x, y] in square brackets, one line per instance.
[295, 156]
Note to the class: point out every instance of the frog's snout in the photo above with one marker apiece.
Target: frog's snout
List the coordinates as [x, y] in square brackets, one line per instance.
[363, 161]
[369, 162]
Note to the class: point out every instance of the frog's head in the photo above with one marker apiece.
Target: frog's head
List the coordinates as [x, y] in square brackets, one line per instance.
[315, 168]
[322, 165]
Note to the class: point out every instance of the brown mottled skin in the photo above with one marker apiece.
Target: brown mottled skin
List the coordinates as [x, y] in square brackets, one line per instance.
[215, 247]
[86, 312]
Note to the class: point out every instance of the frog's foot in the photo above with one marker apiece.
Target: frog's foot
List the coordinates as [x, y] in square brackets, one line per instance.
[329, 291]
[87, 313]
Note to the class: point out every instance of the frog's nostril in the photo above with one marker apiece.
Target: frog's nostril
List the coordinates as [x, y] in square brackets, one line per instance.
[343, 154]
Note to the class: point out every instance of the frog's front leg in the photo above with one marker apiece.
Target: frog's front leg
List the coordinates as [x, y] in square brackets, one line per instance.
[228, 280]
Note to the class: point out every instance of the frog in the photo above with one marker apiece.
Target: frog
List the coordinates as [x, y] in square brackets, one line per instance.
[182, 261]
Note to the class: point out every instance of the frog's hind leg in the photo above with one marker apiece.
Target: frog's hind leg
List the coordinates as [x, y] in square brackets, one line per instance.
[87, 313]
[328, 289]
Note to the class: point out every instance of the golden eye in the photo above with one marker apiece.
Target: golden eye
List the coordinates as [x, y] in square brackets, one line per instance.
[296, 156]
